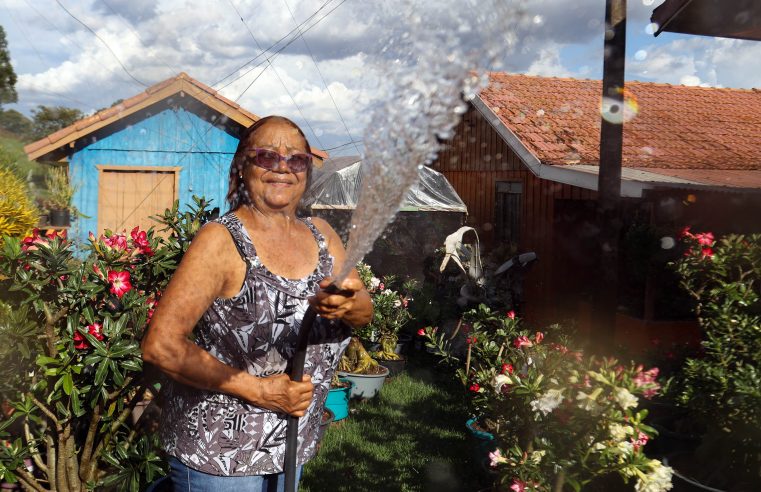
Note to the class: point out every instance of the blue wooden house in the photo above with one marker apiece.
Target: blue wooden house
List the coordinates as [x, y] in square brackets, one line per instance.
[133, 160]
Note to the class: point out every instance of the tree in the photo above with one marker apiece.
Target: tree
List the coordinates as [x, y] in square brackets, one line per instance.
[16, 123]
[7, 75]
[50, 119]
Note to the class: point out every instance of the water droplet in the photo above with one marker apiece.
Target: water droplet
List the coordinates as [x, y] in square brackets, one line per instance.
[538, 19]
[540, 113]
[667, 242]
[647, 2]
[651, 28]
[640, 55]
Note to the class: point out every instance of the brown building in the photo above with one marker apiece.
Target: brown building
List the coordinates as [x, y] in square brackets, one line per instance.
[525, 162]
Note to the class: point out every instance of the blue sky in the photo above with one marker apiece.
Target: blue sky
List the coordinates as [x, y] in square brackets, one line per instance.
[60, 61]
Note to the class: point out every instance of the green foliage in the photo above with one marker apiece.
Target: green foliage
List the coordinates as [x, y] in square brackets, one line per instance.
[7, 74]
[60, 191]
[74, 373]
[16, 123]
[723, 387]
[559, 419]
[17, 213]
[50, 119]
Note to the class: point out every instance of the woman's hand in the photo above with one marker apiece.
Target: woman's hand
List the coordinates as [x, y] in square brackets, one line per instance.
[280, 394]
[335, 304]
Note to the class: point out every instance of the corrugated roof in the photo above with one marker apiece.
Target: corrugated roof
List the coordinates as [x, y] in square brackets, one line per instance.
[181, 83]
[675, 131]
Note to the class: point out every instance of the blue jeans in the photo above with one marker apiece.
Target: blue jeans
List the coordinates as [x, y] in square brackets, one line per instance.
[186, 479]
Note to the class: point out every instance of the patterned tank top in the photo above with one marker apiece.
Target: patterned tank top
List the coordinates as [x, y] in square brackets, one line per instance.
[256, 330]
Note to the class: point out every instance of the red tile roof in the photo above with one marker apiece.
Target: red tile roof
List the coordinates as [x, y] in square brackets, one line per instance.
[675, 127]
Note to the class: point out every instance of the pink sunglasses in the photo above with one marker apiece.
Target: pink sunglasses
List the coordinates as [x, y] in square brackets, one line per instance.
[269, 159]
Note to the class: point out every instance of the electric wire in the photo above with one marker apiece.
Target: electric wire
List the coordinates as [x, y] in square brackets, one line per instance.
[311, 55]
[274, 70]
[102, 41]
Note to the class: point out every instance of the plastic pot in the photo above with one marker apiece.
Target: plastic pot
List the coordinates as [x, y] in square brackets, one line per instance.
[338, 400]
[365, 385]
[59, 218]
[395, 367]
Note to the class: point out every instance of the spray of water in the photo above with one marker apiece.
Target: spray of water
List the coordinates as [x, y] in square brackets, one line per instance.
[431, 64]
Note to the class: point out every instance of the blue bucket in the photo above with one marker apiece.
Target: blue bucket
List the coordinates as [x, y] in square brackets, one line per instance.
[338, 400]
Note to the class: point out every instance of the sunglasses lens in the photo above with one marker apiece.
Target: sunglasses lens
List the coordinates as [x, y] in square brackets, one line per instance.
[298, 163]
[267, 159]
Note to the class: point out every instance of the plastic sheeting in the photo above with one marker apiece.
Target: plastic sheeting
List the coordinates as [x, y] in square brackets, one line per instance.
[336, 186]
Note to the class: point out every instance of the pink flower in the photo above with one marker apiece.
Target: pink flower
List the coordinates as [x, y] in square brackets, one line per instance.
[641, 440]
[474, 387]
[115, 241]
[705, 239]
[647, 379]
[523, 342]
[507, 368]
[518, 486]
[538, 337]
[381, 286]
[560, 348]
[471, 340]
[120, 283]
[511, 314]
[421, 332]
[495, 458]
[80, 342]
[685, 232]
[140, 240]
[96, 330]
[707, 252]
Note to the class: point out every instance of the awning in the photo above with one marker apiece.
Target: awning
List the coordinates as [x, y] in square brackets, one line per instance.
[739, 19]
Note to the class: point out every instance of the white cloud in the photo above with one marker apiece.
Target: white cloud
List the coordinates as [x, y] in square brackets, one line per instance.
[548, 64]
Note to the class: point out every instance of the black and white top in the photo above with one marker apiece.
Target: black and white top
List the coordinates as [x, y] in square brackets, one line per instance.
[256, 331]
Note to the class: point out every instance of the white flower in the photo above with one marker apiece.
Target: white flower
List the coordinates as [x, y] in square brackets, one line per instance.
[624, 398]
[658, 480]
[536, 456]
[374, 283]
[625, 447]
[397, 303]
[599, 446]
[548, 401]
[619, 432]
[499, 381]
[588, 401]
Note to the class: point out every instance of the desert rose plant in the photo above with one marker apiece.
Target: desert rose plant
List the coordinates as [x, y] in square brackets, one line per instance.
[73, 363]
[560, 418]
[723, 387]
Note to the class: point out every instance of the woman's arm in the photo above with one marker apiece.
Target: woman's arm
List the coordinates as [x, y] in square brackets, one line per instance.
[354, 304]
[210, 267]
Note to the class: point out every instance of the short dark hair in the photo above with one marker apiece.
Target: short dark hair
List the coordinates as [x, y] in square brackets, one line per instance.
[236, 192]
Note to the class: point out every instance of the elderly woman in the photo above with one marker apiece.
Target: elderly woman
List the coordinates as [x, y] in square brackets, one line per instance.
[242, 290]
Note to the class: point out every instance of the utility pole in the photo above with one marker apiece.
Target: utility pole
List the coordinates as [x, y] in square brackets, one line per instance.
[609, 180]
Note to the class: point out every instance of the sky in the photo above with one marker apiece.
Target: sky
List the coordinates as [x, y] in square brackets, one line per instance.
[88, 54]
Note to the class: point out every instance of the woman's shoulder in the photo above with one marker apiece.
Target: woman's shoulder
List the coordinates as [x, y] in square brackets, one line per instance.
[325, 229]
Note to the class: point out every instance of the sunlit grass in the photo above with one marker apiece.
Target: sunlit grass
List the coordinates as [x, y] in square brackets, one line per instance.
[411, 437]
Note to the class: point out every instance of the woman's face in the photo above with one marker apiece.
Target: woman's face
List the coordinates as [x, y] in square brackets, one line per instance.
[278, 188]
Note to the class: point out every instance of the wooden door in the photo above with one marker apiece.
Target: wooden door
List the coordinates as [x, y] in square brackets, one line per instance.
[129, 196]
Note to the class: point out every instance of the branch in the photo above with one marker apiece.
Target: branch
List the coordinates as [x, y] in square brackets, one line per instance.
[28, 480]
[50, 321]
[51, 463]
[46, 411]
[72, 465]
[63, 484]
[90, 440]
[33, 447]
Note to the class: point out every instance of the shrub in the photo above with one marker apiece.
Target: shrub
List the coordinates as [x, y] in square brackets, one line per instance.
[722, 389]
[74, 368]
[17, 213]
[559, 417]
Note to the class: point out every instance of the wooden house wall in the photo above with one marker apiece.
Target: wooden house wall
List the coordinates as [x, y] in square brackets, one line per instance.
[473, 162]
[170, 138]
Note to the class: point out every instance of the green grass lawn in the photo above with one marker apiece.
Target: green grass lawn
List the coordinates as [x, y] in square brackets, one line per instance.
[411, 437]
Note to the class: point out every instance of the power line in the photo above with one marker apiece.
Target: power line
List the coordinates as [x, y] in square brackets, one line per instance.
[276, 74]
[314, 14]
[353, 142]
[311, 55]
[137, 35]
[104, 44]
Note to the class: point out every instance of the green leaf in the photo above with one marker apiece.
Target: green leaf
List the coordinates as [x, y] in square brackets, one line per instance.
[68, 383]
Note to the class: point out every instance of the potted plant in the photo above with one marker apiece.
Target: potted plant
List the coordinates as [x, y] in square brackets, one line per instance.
[59, 197]
[338, 397]
[363, 371]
